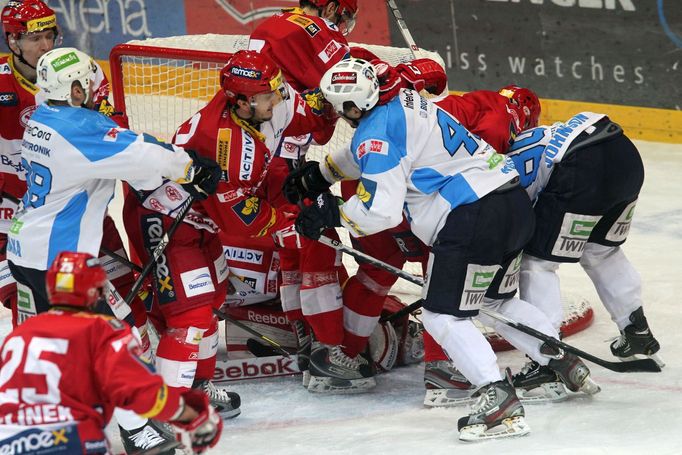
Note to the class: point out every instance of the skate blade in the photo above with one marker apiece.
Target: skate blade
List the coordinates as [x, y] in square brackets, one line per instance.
[590, 387]
[436, 398]
[161, 448]
[322, 384]
[655, 357]
[508, 428]
[550, 392]
[229, 413]
[306, 378]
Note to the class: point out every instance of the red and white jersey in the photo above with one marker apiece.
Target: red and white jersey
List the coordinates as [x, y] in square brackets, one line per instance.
[19, 98]
[239, 205]
[303, 46]
[67, 368]
[487, 114]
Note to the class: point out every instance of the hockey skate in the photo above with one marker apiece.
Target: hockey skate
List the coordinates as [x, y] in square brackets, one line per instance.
[332, 371]
[637, 339]
[225, 403]
[571, 370]
[498, 413]
[154, 437]
[445, 385]
[303, 346]
[537, 383]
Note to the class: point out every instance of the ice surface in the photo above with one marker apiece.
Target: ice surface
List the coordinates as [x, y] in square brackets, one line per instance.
[634, 413]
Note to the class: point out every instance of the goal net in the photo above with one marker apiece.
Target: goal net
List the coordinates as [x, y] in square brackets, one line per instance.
[161, 82]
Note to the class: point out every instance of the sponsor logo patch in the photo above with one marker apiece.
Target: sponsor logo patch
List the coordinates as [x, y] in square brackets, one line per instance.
[197, 281]
[372, 146]
[344, 77]
[233, 253]
[8, 99]
[329, 50]
[246, 73]
[152, 227]
[111, 135]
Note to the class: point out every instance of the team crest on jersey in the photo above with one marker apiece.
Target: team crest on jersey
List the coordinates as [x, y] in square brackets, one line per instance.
[372, 146]
[247, 210]
[9, 99]
[26, 114]
[366, 190]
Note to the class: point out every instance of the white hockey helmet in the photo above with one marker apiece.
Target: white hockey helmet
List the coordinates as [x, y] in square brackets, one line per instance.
[57, 70]
[351, 80]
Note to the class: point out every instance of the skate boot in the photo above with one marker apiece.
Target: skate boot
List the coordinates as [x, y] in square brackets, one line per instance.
[637, 339]
[154, 437]
[498, 413]
[445, 385]
[537, 383]
[332, 371]
[571, 370]
[303, 345]
[225, 403]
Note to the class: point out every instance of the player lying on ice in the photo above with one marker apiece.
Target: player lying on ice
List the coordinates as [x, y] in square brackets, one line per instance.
[456, 192]
[65, 370]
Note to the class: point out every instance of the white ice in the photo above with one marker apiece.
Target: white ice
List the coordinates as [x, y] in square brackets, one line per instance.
[634, 413]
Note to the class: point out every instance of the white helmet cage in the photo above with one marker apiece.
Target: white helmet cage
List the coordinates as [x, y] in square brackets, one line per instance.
[351, 80]
[57, 70]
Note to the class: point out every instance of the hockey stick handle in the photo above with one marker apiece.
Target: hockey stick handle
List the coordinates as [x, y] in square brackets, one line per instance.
[644, 365]
[160, 248]
[337, 245]
[276, 346]
[123, 260]
[403, 311]
[407, 36]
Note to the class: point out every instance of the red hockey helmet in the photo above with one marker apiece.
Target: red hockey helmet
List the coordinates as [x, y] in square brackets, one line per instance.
[527, 101]
[75, 279]
[346, 13]
[249, 73]
[28, 16]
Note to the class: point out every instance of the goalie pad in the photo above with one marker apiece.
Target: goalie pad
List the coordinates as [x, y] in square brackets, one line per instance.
[383, 346]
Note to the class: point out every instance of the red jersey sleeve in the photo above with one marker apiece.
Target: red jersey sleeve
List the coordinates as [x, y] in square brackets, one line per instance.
[128, 381]
[303, 46]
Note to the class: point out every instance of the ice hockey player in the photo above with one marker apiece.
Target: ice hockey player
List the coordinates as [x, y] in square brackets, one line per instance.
[495, 117]
[457, 191]
[584, 176]
[90, 363]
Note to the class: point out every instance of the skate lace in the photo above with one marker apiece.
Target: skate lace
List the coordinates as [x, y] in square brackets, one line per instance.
[528, 367]
[485, 401]
[147, 438]
[215, 393]
[340, 358]
[619, 340]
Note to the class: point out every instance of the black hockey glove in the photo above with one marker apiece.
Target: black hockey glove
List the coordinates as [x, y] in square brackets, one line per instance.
[206, 176]
[323, 213]
[305, 181]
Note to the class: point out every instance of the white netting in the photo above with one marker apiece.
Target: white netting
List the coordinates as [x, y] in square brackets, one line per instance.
[162, 91]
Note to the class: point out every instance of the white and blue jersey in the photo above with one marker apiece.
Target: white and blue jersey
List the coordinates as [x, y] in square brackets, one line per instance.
[72, 158]
[414, 156]
[536, 151]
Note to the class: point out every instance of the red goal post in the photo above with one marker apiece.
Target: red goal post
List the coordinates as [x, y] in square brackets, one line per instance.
[159, 83]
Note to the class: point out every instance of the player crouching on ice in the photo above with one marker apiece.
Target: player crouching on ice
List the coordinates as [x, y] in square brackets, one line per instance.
[457, 192]
[65, 370]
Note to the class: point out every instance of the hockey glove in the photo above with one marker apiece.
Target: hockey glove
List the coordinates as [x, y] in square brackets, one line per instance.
[289, 239]
[323, 213]
[390, 81]
[306, 181]
[206, 176]
[204, 431]
[424, 74]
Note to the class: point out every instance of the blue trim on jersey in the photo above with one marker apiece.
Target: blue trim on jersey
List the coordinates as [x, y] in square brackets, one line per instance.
[526, 153]
[384, 123]
[71, 123]
[66, 227]
[452, 188]
[152, 140]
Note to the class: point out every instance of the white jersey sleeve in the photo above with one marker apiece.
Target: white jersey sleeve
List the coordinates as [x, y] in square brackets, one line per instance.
[415, 158]
[73, 157]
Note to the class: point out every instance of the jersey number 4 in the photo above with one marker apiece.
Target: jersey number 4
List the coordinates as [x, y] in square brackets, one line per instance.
[39, 182]
[455, 135]
[34, 365]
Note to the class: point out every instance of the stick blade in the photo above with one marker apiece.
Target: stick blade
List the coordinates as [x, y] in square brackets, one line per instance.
[635, 366]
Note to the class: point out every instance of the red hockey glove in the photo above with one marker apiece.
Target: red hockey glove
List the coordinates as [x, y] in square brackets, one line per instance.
[361, 52]
[204, 431]
[288, 238]
[424, 74]
[390, 81]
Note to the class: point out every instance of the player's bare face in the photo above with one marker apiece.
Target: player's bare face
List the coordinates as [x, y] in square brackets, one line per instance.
[352, 115]
[32, 46]
[263, 105]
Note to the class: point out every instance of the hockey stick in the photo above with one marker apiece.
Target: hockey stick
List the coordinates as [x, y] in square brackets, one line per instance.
[629, 366]
[160, 248]
[407, 36]
[275, 345]
[123, 260]
[403, 311]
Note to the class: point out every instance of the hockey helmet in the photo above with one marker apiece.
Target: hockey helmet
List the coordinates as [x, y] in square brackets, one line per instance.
[28, 16]
[346, 12]
[249, 73]
[527, 101]
[75, 279]
[58, 68]
[352, 80]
